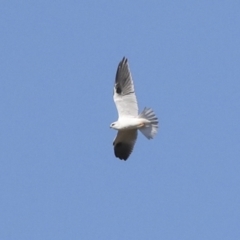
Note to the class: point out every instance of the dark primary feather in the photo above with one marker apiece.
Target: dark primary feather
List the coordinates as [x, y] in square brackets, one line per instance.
[123, 80]
[123, 150]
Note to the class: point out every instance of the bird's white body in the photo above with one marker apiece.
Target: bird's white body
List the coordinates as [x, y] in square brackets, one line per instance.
[126, 123]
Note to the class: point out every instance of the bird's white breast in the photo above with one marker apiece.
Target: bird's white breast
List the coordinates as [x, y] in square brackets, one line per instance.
[129, 123]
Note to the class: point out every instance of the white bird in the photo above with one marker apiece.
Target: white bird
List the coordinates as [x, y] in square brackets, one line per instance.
[129, 121]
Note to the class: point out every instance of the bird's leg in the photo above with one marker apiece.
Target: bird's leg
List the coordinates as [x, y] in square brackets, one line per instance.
[141, 125]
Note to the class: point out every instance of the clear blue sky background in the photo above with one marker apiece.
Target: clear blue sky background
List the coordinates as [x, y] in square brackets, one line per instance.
[59, 178]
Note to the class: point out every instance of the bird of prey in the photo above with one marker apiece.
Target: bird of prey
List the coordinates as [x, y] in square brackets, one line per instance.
[129, 121]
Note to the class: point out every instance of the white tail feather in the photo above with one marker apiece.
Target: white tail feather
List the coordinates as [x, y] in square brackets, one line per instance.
[149, 130]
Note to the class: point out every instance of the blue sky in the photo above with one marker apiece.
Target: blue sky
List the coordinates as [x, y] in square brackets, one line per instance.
[59, 178]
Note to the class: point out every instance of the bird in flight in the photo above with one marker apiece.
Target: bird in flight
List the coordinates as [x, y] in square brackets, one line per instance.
[129, 121]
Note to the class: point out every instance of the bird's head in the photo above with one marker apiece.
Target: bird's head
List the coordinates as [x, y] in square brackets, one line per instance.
[115, 125]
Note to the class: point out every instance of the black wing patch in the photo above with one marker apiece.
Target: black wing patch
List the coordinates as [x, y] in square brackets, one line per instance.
[118, 89]
[123, 150]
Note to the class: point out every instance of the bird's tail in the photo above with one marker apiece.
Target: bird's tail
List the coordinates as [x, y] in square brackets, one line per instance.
[150, 129]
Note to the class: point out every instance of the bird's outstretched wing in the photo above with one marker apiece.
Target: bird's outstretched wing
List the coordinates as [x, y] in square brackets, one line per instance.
[124, 143]
[124, 95]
